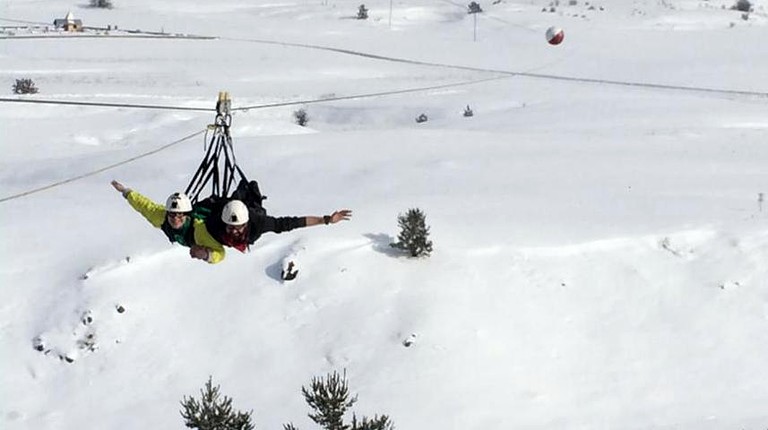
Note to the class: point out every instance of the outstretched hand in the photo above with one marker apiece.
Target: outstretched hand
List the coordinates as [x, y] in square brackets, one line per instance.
[341, 215]
[118, 186]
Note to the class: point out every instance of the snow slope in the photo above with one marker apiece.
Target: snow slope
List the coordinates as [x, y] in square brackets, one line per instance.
[600, 244]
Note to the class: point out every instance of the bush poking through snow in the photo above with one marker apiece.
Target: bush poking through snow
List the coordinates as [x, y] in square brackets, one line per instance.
[414, 233]
[24, 86]
[301, 117]
[213, 411]
[422, 118]
[468, 112]
[474, 7]
[362, 12]
[330, 400]
[102, 4]
[742, 6]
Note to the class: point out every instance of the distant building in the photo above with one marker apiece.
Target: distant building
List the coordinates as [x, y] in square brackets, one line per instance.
[68, 23]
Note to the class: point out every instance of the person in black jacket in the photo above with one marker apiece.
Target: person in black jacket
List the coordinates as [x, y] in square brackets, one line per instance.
[242, 220]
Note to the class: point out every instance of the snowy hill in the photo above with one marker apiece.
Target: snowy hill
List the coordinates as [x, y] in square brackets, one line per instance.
[601, 250]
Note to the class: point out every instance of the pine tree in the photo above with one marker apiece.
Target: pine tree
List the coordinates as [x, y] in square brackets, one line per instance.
[474, 7]
[377, 423]
[743, 6]
[362, 12]
[213, 412]
[330, 400]
[301, 117]
[414, 233]
[24, 86]
[102, 4]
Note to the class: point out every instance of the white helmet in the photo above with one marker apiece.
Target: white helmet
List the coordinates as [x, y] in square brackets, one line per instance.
[178, 202]
[235, 213]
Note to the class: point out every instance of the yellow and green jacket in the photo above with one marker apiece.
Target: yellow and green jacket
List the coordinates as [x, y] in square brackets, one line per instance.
[192, 233]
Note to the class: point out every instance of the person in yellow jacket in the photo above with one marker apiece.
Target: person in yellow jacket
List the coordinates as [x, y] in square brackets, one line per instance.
[176, 221]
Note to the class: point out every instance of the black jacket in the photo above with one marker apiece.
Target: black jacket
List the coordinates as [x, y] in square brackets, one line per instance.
[258, 224]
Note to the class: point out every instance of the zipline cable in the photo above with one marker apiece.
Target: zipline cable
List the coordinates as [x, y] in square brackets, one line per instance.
[368, 95]
[260, 106]
[427, 64]
[103, 169]
[100, 104]
[507, 72]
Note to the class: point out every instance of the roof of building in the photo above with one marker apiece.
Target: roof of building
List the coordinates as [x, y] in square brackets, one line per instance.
[69, 19]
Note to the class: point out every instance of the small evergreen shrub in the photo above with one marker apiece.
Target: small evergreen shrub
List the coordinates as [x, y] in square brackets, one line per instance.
[24, 86]
[102, 4]
[421, 118]
[213, 411]
[414, 233]
[362, 12]
[742, 6]
[468, 112]
[330, 400]
[301, 117]
[474, 7]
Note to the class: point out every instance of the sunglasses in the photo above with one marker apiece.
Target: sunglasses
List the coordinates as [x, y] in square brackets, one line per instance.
[235, 228]
[176, 214]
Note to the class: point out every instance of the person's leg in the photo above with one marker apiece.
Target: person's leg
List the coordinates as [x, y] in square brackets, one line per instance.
[253, 186]
[249, 193]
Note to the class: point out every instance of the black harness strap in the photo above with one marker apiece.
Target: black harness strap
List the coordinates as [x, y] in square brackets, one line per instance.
[199, 179]
[219, 167]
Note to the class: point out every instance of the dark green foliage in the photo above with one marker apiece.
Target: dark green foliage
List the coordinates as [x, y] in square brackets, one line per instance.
[362, 12]
[213, 411]
[743, 6]
[414, 233]
[330, 400]
[102, 4]
[301, 117]
[24, 86]
[377, 423]
[474, 7]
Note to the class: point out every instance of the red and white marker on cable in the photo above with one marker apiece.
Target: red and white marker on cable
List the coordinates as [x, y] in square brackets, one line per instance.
[555, 35]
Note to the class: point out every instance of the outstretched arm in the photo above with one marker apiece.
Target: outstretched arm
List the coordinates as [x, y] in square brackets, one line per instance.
[339, 215]
[263, 224]
[153, 212]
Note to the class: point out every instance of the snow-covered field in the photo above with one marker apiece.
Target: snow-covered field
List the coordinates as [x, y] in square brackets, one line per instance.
[600, 241]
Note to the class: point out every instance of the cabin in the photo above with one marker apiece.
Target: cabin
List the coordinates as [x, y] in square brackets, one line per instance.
[68, 23]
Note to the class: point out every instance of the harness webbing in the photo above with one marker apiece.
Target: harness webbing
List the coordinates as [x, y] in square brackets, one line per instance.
[219, 167]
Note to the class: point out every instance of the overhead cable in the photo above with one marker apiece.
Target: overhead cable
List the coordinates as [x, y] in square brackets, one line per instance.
[103, 169]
